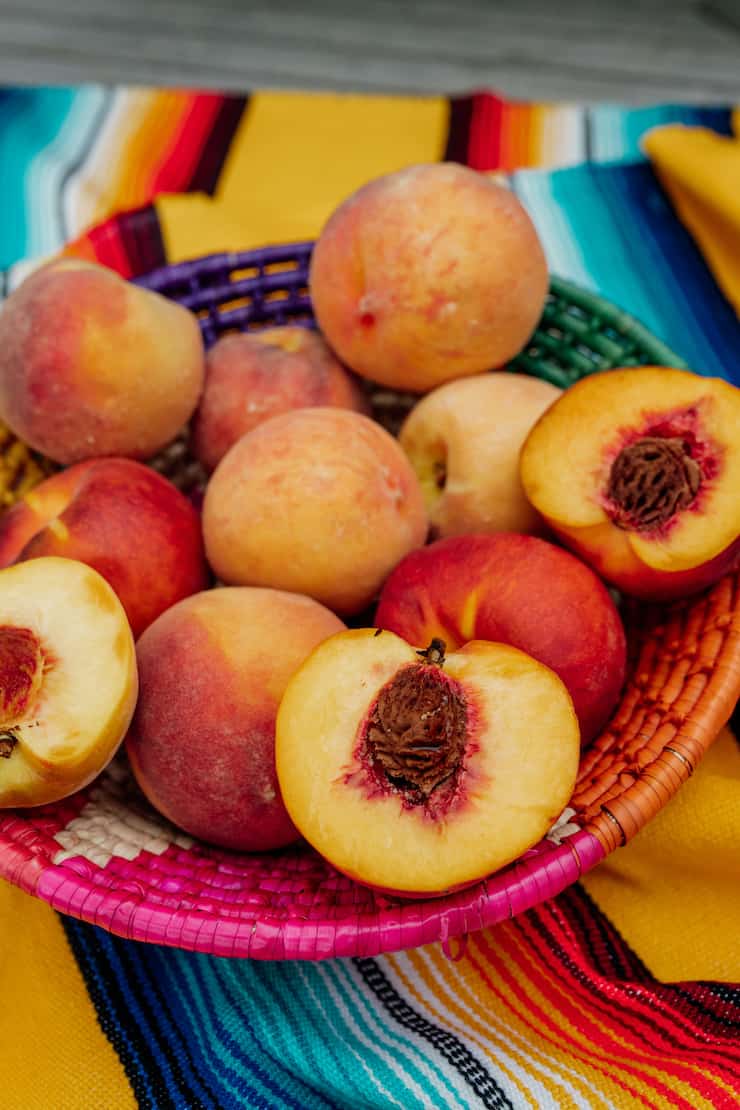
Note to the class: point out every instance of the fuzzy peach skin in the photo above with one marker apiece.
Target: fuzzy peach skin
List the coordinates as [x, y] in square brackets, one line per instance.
[92, 365]
[464, 439]
[68, 679]
[252, 376]
[577, 468]
[518, 590]
[435, 800]
[319, 501]
[118, 516]
[202, 742]
[426, 275]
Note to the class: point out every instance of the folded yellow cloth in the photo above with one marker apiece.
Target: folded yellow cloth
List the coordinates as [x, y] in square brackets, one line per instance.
[674, 891]
[700, 171]
[292, 162]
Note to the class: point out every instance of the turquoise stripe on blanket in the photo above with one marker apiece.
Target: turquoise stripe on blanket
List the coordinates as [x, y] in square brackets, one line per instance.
[612, 229]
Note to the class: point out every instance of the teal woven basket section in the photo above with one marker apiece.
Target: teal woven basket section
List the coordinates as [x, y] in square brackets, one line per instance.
[580, 332]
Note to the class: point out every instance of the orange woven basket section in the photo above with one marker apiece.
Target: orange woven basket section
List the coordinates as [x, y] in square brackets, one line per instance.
[684, 682]
[682, 686]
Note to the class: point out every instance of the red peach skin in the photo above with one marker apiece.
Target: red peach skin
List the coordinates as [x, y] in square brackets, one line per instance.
[118, 516]
[522, 591]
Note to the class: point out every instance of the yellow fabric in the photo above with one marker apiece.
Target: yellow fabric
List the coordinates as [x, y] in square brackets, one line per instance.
[275, 191]
[674, 891]
[700, 171]
[50, 1042]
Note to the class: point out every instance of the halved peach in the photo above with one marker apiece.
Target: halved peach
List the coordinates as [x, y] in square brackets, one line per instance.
[638, 470]
[418, 773]
[68, 679]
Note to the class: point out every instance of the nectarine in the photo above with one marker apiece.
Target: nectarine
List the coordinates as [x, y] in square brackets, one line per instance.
[519, 590]
[638, 471]
[121, 518]
[68, 679]
[202, 743]
[418, 773]
[426, 275]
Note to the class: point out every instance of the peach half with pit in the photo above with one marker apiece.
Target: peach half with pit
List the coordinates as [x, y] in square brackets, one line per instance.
[638, 471]
[417, 772]
[68, 679]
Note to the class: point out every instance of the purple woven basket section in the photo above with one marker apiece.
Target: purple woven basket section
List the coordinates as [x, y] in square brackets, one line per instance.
[104, 856]
[227, 291]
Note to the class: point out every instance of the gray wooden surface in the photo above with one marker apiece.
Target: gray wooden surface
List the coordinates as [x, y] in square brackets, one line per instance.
[626, 50]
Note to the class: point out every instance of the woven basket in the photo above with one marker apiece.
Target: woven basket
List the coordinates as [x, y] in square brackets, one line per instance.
[106, 857]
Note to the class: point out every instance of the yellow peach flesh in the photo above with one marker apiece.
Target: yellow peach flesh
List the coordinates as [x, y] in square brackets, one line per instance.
[565, 460]
[86, 697]
[515, 784]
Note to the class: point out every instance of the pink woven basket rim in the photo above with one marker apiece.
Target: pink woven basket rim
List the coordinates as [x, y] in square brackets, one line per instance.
[539, 875]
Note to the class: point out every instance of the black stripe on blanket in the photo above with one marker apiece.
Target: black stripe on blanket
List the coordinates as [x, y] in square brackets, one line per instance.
[481, 1082]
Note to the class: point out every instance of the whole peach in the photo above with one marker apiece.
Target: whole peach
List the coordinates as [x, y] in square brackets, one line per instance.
[121, 518]
[252, 376]
[320, 501]
[93, 365]
[464, 439]
[426, 275]
[522, 591]
[212, 671]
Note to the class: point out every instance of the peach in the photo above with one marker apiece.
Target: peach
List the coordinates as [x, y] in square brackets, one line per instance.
[464, 439]
[418, 773]
[92, 365]
[319, 501]
[426, 275]
[121, 518]
[638, 470]
[68, 679]
[522, 591]
[202, 743]
[252, 376]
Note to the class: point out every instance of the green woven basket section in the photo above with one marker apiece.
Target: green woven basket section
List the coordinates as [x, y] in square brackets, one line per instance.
[580, 333]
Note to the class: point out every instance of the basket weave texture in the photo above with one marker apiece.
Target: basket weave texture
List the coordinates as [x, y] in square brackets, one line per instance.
[106, 857]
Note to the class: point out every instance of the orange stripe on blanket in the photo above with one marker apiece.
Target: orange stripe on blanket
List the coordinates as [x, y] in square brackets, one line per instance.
[179, 158]
[553, 995]
[490, 958]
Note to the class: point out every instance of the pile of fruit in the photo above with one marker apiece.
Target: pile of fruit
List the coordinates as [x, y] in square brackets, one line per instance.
[438, 737]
